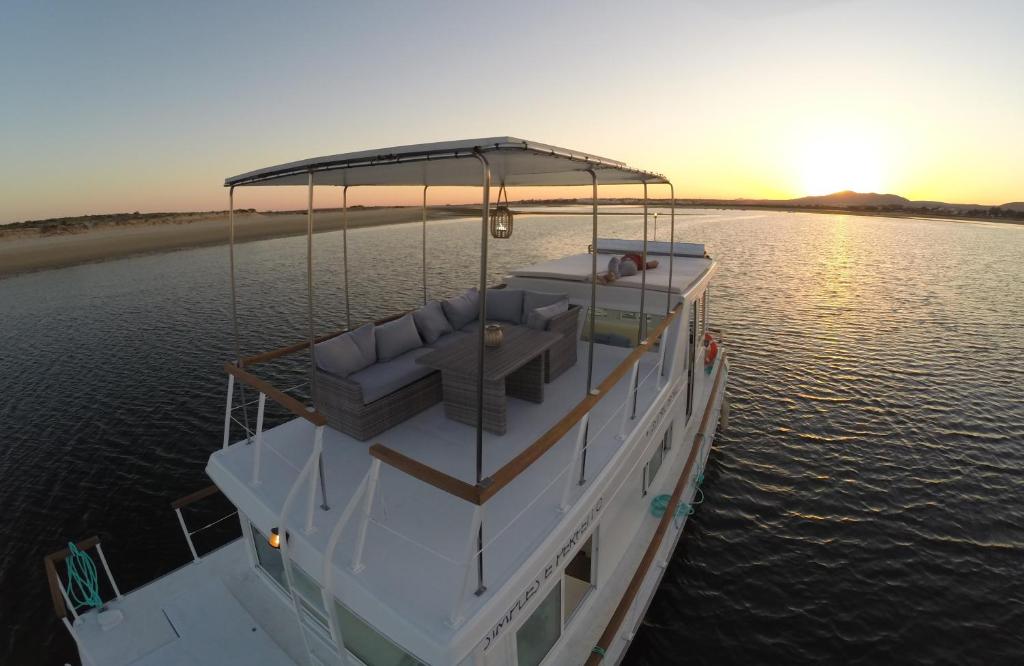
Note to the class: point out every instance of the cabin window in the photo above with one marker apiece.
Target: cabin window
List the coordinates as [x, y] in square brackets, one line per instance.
[579, 578]
[541, 631]
[269, 559]
[369, 645]
[310, 594]
[658, 457]
[617, 328]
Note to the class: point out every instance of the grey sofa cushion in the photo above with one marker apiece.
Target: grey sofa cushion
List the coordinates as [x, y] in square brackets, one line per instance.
[538, 299]
[431, 322]
[462, 309]
[539, 318]
[505, 305]
[341, 355]
[386, 377]
[397, 337]
[366, 339]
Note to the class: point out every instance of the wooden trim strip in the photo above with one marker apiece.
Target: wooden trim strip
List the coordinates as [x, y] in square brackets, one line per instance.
[427, 474]
[286, 401]
[182, 502]
[543, 444]
[50, 564]
[652, 548]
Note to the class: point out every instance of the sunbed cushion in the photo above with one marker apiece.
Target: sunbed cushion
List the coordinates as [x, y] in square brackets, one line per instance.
[505, 305]
[341, 355]
[537, 299]
[397, 337]
[386, 377]
[462, 309]
[539, 318]
[431, 322]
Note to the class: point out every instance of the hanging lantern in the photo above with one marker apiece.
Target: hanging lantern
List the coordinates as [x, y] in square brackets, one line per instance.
[501, 217]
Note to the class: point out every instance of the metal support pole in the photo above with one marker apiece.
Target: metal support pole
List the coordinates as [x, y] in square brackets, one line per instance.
[344, 254]
[671, 248]
[642, 323]
[425, 244]
[227, 411]
[371, 489]
[593, 314]
[309, 290]
[67, 600]
[318, 461]
[484, 218]
[188, 537]
[258, 452]
[234, 300]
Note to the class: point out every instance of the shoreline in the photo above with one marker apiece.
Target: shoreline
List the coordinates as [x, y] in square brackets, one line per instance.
[28, 250]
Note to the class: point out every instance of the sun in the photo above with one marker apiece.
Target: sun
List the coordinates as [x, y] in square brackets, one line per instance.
[839, 161]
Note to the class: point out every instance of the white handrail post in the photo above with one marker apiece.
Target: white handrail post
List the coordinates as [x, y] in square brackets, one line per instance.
[259, 440]
[661, 361]
[188, 537]
[317, 463]
[106, 567]
[371, 489]
[626, 415]
[67, 599]
[581, 441]
[456, 617]
[227, 410]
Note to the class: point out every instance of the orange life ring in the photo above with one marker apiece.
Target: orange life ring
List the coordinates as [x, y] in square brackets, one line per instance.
[711, 353]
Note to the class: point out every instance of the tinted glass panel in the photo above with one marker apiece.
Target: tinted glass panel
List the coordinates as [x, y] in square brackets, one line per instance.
[269, 558]
[539, 633]
[367, 644]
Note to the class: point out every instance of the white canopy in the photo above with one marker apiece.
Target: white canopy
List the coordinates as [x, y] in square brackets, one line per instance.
[514, 162]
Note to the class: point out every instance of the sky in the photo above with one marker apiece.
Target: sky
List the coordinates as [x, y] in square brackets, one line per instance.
[143, 106]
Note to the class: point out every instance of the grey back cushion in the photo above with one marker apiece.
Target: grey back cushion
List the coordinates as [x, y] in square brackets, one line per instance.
[505, 305]
[540, 318]
[342, 355]
[397, 337]
[431, 322]
[462, 309]
[538, 299]
[366, 340]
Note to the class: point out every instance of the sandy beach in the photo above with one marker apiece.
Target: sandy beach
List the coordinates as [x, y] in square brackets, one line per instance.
[28, 250]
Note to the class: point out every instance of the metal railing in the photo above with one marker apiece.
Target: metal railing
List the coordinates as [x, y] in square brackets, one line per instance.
[187, 500]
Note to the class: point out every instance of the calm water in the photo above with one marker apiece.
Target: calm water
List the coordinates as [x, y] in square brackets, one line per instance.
[864, 506]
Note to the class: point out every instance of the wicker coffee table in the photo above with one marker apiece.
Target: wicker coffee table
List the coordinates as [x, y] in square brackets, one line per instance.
[516, 369]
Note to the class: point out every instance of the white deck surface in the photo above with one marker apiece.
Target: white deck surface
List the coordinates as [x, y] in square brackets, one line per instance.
[216, 612]
[417, 539]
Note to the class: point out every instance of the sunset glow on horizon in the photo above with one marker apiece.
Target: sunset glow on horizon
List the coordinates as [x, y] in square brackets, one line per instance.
[150, 109]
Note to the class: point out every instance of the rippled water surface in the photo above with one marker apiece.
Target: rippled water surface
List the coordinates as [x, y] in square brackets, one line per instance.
[864, 505]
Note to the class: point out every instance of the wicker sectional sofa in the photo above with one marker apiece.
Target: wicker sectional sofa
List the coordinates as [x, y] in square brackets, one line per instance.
[368, 379]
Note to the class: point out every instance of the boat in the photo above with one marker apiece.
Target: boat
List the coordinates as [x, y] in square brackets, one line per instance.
[495, 478]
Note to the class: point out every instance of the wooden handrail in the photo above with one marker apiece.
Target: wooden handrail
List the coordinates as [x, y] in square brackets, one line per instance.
[182, 502]
[427, 474]
[286, 401]
[659, 534]
[513, 468]
[50, 564]
[478, 494]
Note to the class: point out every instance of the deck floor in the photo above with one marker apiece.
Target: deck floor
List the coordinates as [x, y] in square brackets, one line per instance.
[417, 539]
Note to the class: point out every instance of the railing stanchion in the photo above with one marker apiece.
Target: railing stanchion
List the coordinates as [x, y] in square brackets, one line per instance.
[106, 567]
[630, 388]
[371, 489]
[227, 411]
[661, 362]
[258, 452]
[317, 461]
[188, 537]
[475, 523]
[581, 442]
[67, 599]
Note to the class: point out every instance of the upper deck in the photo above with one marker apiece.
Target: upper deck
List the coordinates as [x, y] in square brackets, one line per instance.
[415, 554]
